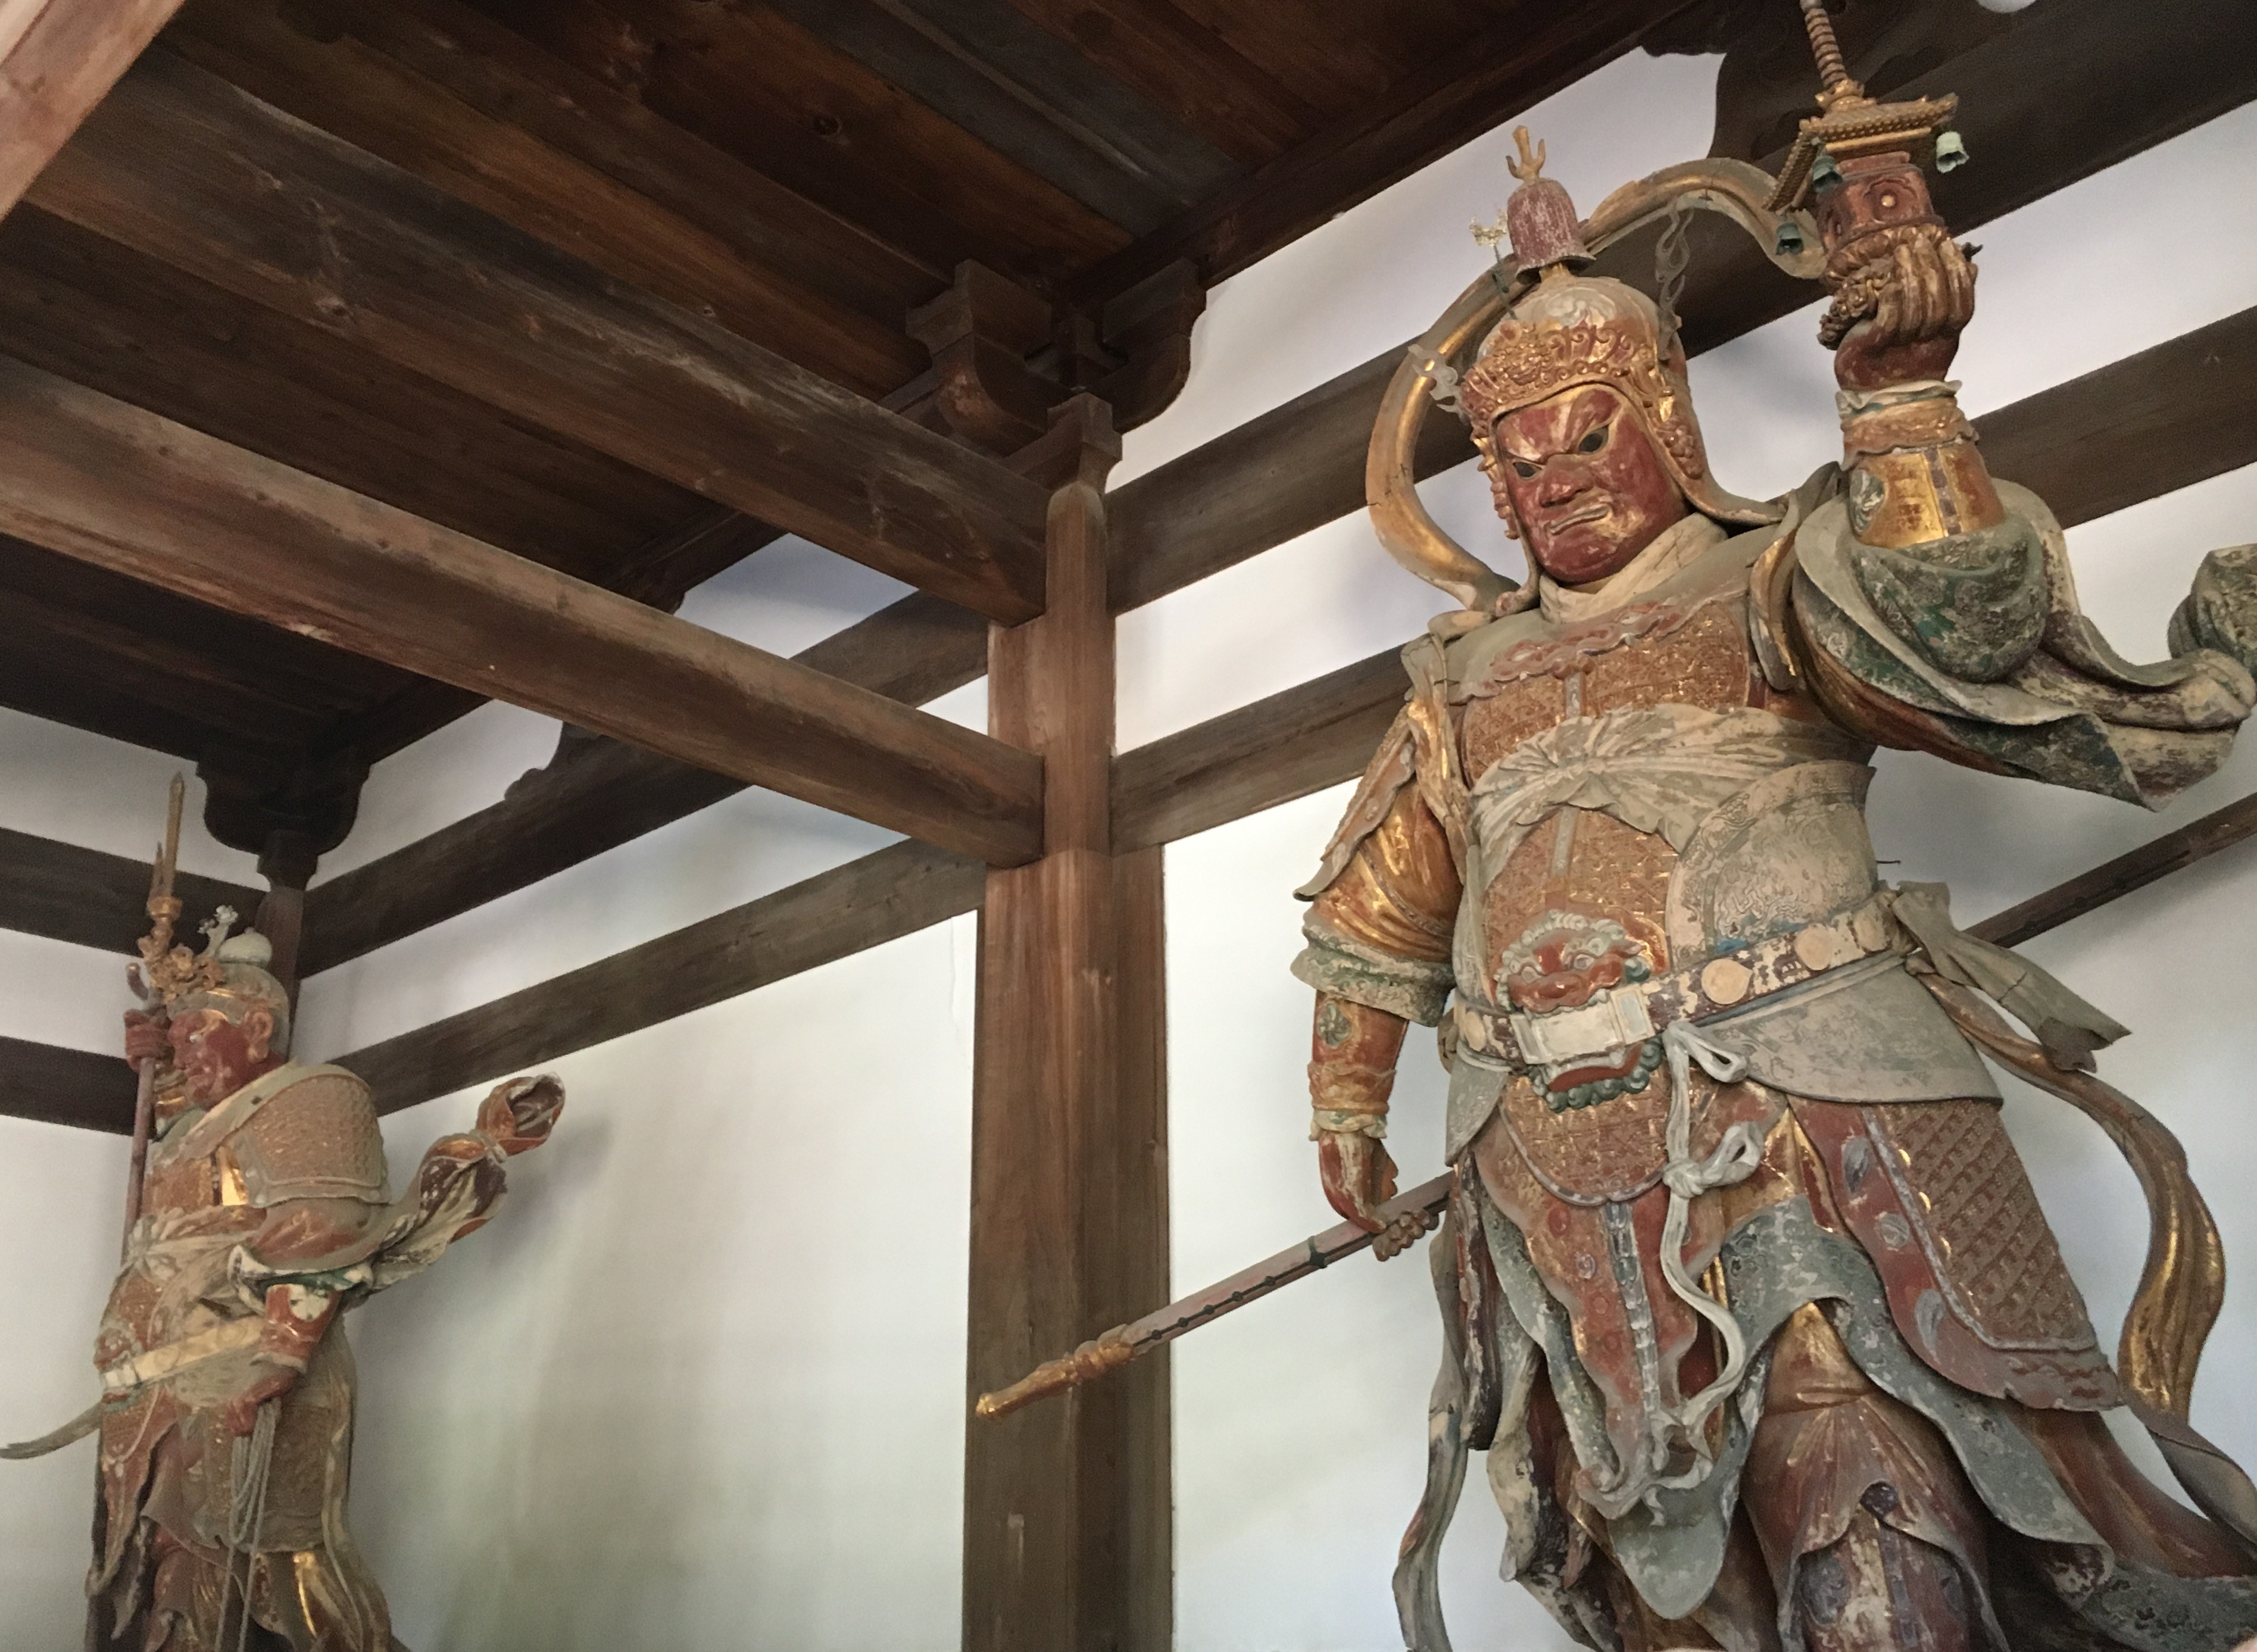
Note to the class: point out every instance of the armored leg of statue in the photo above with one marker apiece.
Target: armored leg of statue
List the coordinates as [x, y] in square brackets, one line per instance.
[318, 1602]
[194, 1606]
[1875, 1540]
[298, 1602]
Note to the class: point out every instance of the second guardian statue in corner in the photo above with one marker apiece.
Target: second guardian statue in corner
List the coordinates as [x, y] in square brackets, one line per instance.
[1747, 1294]
[225, 1424]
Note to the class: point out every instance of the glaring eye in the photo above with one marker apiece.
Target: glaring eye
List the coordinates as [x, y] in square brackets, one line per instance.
[1596, 440]
[1523, 468]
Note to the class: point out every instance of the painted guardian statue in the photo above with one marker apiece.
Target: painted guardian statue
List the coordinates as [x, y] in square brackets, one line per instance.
[1747, 1295]
[225, 1421]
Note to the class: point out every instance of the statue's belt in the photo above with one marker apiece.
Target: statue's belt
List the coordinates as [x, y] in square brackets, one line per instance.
[122, 1379]
[1614, 1020]
[173, 1357]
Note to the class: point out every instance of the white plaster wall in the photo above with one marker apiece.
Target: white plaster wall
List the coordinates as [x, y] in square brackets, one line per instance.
[700, 1385]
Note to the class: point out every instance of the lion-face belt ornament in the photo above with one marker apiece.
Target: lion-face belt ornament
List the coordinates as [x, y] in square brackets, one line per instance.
[1605, 1029]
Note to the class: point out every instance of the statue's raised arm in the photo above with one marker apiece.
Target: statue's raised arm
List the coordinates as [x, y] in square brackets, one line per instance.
[1927, 605]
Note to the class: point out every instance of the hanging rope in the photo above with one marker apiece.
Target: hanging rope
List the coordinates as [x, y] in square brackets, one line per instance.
[1672, 253]
[249, 1468]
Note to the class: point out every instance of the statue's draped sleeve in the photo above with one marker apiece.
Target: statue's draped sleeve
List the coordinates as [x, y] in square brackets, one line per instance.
[349, 1238]
[1970, 643]
[1384, 900]
[311, 1162]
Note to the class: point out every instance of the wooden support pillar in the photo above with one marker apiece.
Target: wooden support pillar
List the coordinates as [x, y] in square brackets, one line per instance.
[1067, 1504]
[287, 863]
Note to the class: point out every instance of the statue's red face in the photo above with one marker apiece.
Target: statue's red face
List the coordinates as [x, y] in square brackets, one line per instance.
[215, 1057]
[1586, 482]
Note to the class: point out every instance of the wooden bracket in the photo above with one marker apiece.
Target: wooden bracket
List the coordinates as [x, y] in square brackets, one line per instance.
[980, 333]
[1150, 328]
[289, 815]
[1003, 357]
[249, 802]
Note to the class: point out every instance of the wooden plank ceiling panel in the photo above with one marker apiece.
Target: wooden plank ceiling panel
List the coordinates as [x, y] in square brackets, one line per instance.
[354, 92]
[1187, 69]
[1341, 54]
[751, 82]
[1030, 97]
[507, 77]
[1479, 83]
[190, 170]
[46, 676]
[209, 679]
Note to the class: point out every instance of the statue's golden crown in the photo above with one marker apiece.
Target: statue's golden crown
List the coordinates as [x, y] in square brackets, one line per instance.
[172, 973]
[1573, 330]
[1584, 330]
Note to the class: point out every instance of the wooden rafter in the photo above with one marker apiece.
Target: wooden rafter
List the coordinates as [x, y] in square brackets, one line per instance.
[57, 60]
[126, 490]
[181, 166]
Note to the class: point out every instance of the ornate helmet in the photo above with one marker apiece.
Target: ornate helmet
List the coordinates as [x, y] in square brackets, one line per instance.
[231, 976]
[1573, 330]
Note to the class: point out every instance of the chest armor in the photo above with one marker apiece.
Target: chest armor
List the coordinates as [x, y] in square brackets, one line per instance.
[193, 1212]
[1579, 905]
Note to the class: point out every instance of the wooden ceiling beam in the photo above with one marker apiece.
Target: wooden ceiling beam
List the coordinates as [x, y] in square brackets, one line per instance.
[53, 1085]
[121, 489]
[90, 898]
[183, 167]
[87, 309]
[58, 57]
[878, 898]
[598, 794]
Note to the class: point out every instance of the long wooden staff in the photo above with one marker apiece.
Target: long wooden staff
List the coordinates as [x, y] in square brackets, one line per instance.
[1123, 1342]
[164, 909]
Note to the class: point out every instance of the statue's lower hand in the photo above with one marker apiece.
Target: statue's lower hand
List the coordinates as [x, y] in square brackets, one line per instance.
[1359, 1177]
[273, 1381]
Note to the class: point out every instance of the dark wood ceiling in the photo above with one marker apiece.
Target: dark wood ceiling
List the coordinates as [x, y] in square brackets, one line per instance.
[804, 173]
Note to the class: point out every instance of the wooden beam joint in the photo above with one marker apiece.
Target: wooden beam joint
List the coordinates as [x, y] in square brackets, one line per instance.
[1003, 357]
